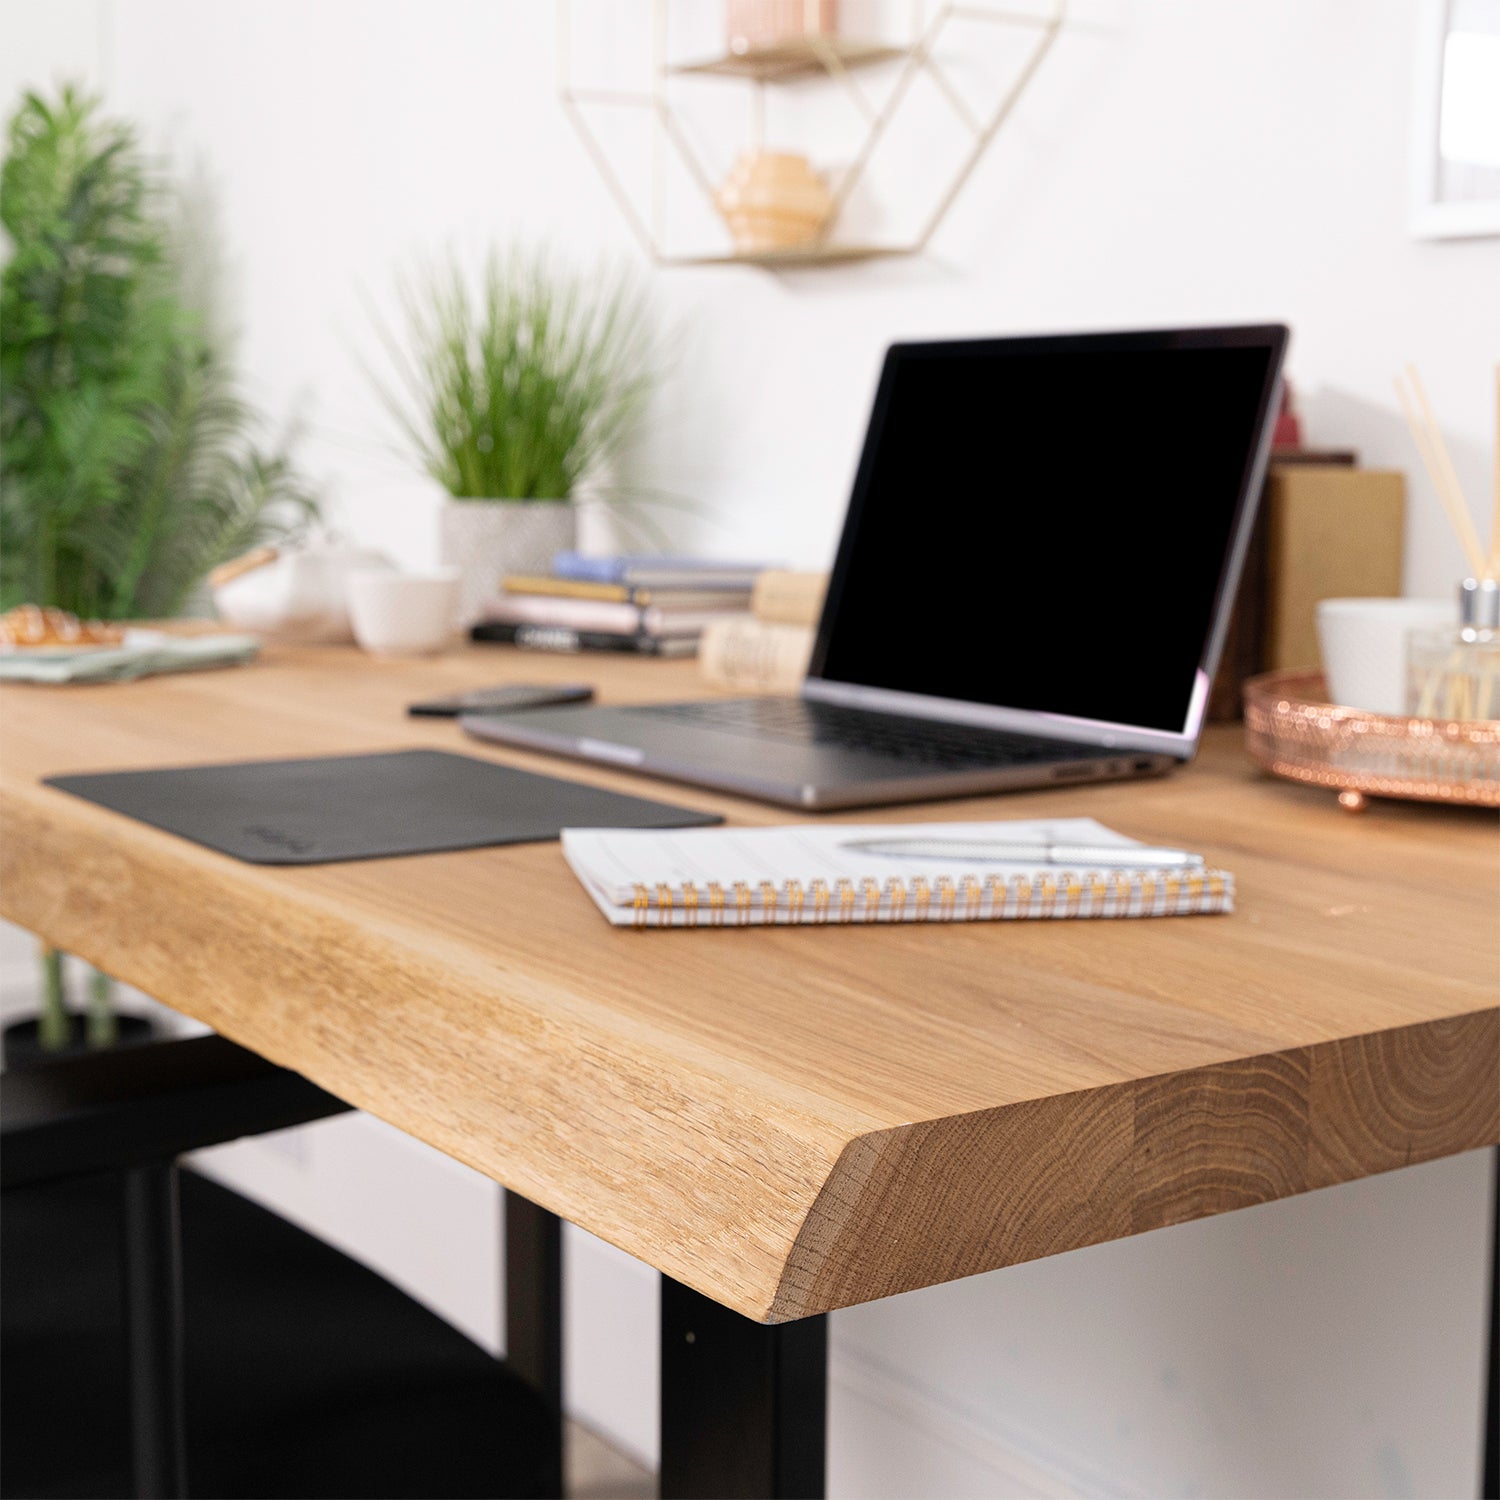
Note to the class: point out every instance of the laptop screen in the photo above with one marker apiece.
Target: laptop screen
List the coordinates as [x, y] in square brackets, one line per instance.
[1046, 524]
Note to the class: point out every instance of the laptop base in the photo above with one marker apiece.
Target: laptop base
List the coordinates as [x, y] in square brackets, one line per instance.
[692, 743]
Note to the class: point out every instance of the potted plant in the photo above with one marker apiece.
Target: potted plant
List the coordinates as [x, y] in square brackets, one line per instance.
[126, 466]
[512, 394]
[127, 470]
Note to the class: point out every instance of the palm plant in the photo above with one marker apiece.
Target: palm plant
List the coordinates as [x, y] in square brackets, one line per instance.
[127, 469]
[524, 386]
[126, 466]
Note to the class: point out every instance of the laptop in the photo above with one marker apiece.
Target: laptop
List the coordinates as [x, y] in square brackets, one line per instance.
[1040, 553]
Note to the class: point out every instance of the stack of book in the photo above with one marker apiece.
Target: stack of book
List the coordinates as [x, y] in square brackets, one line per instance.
[766, 651]
[657, 606]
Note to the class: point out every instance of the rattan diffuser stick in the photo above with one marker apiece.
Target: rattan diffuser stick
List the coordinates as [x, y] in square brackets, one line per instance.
[1429, 440]
[1495, 521]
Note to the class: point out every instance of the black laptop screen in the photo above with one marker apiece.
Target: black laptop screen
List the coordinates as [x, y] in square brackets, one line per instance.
[1044, 524]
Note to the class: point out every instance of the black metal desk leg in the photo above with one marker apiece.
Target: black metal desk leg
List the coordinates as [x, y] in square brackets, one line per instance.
[1490, 1488]
[743, 1404]
[152, 1266]
[533, 1311]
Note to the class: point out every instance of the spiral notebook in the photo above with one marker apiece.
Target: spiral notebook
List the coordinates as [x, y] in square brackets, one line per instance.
[816, 874]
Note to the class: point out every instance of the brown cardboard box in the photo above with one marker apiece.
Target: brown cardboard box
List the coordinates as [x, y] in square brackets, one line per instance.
[1333, 533]
[1325, 530]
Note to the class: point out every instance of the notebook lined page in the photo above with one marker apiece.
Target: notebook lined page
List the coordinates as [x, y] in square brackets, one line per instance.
[812, 873]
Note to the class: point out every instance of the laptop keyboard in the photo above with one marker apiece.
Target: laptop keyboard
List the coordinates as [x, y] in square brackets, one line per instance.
[918, 741]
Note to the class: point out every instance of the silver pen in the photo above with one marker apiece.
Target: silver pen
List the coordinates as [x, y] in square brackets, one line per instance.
[984, 851]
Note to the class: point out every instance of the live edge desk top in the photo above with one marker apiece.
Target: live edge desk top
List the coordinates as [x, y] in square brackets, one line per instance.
[794, 1120]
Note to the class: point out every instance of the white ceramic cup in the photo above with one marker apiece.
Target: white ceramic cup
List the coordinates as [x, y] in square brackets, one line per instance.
[1364, 647]
[403, 614]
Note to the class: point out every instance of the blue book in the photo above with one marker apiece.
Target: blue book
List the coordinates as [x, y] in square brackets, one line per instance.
[657, 572]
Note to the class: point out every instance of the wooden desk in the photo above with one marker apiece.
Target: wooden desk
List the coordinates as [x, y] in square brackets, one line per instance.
[792, 1121]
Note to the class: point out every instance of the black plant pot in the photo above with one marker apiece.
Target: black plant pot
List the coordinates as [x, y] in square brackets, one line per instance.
[21, 1047]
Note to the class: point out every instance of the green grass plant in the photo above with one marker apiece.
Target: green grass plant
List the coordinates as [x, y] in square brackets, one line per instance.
[524, 383]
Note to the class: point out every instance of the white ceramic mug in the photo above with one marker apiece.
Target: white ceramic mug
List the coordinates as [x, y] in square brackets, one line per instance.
[1364, 647]
[403, 614]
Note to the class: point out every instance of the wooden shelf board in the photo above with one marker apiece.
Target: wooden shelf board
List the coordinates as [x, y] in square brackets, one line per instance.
[797, 57]
[799, 255]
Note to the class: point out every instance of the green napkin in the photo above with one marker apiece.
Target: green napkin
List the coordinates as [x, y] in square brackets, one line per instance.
[143, 653]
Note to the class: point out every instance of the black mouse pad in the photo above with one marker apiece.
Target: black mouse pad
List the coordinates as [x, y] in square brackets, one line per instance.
[312, 812]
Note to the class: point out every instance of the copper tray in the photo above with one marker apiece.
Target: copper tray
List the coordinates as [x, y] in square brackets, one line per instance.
[1292, 730]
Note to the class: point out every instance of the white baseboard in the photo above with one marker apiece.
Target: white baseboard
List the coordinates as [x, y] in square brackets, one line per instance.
[889, 1436]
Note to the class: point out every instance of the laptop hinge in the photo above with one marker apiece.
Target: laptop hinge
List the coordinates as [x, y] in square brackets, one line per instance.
[985, 716]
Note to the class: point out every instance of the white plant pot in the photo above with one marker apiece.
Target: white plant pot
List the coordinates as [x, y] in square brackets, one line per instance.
[486, 539]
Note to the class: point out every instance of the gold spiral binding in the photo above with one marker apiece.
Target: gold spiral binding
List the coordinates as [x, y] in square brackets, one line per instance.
[1065, 895]
[819, 892]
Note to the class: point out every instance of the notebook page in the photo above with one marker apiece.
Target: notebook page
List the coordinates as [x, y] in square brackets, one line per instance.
[612, 862]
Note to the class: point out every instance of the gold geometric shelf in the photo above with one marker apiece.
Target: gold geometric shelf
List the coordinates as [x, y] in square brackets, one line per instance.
[789, 62]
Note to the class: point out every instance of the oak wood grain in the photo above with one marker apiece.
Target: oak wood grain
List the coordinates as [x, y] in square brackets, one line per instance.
[793, 1120]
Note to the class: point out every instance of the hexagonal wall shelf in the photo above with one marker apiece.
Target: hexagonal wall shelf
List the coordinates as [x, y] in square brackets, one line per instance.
[833, 58]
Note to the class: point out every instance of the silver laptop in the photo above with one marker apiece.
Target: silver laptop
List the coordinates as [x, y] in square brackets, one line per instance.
[1039, 557]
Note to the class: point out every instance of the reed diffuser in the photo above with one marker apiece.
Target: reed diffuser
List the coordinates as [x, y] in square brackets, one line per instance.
[1455, 673]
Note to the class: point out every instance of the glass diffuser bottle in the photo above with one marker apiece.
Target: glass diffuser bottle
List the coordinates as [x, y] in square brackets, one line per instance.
[1455, 673]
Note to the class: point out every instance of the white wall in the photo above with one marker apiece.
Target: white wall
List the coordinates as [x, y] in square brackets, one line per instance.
[1176, 161]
